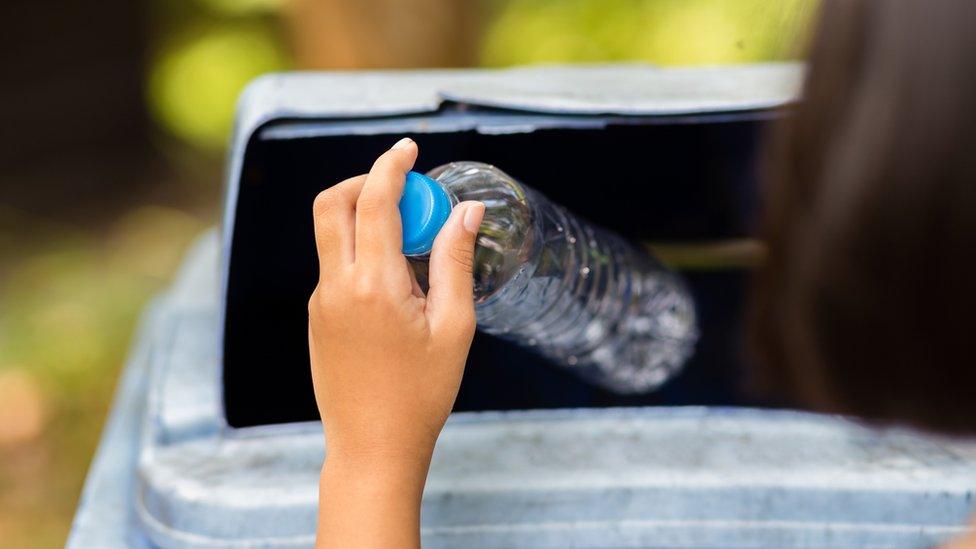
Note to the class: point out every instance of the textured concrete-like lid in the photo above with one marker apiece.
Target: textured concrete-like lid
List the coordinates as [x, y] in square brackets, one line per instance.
[634, 89]
[630, 89]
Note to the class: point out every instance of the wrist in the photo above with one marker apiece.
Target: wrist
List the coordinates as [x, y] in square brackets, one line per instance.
[401, 464]
[370, 498]
[371, 478]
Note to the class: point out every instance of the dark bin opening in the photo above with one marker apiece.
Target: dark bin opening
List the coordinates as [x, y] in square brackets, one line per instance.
[680, 179]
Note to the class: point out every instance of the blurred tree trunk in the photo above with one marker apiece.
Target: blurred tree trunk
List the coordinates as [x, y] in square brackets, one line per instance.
[347, 34]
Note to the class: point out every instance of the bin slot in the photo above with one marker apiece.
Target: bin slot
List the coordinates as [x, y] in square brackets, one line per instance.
[681, 183]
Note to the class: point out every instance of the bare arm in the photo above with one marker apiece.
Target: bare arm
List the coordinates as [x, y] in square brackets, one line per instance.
[386, 359]
[370, 503]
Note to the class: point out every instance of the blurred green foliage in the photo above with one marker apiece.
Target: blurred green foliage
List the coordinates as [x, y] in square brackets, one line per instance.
[69, 304]
[194, 83]
[668, 32]
[199, 71]
[204, 54]
[243, 7]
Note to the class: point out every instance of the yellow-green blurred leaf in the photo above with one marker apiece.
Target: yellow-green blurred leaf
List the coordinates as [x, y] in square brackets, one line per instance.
[195, 80]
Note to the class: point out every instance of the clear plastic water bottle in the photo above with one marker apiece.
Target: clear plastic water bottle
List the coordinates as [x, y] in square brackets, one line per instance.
[581, 296]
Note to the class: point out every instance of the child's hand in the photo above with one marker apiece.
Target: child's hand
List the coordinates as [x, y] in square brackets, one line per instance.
[386, 360]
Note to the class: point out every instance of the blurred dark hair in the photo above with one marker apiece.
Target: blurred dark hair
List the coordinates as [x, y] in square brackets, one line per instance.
[866, 301]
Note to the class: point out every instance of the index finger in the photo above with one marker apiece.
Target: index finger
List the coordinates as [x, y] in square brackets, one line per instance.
[379, 235]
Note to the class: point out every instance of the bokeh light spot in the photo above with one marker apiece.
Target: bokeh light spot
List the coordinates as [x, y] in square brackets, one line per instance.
[195, 82]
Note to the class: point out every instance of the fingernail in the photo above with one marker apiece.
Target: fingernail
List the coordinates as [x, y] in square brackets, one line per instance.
[402, 144]
[472, 217]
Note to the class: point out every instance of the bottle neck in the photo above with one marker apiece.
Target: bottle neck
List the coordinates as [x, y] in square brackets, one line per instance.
[507, 223]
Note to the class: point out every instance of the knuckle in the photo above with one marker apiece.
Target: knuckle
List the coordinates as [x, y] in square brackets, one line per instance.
[467, 322]
[366, 290]
[316, 303]
[352, 185]
[469, 318]
[325, 202]
[369, 204]
[460, 328]
[463, 256]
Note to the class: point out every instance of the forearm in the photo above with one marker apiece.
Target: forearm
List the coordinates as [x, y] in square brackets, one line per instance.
[370, 502]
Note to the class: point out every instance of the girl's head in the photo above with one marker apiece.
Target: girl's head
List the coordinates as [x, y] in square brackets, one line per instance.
[866, 302]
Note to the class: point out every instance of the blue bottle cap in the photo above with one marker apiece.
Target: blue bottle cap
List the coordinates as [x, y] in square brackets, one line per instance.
[424, 208]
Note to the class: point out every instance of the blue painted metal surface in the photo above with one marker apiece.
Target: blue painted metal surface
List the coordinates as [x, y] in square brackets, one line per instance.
[170, 472]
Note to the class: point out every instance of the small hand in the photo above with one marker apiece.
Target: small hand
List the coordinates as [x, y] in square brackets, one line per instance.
[386, 359]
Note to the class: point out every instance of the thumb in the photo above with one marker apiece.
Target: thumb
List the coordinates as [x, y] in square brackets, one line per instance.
[450, 302]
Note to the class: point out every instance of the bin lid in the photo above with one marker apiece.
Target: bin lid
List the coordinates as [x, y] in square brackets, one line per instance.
[634, 89]
[622, 89]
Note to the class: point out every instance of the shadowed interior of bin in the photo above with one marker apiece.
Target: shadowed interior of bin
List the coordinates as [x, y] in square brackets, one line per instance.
[682, 180]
